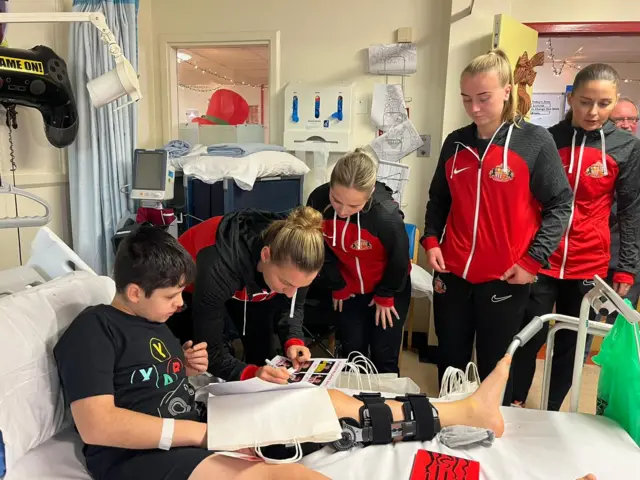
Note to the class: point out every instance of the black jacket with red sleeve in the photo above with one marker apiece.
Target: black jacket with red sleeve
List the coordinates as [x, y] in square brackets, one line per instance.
[367, 252]
[227, 251]
[599, 164]
[506, 205]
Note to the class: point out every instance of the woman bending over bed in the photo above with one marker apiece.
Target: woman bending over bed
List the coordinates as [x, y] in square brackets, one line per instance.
[139, 422]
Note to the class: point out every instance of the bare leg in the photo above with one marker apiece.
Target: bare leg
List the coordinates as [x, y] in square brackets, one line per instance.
[482, 409]
[217, 466]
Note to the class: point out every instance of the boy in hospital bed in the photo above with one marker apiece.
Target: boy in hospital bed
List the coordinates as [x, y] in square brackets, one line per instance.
[126, 378]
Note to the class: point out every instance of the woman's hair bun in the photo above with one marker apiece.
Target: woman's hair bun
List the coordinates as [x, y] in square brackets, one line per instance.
[306, 218]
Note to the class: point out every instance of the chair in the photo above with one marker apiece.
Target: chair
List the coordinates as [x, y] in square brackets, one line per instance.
[414, 242]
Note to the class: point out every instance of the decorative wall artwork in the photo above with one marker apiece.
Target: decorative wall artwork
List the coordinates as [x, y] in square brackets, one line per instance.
[524, 76]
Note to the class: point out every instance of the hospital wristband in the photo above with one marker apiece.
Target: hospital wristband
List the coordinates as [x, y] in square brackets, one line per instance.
[166, 437]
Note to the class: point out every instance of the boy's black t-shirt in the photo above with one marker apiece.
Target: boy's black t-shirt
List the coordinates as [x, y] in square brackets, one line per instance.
[108, 352]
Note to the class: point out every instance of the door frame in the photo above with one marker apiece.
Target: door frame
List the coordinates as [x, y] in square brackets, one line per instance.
[167, 52]
[602, 29]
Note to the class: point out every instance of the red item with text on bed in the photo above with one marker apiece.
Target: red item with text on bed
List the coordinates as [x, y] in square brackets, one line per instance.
[440, 466]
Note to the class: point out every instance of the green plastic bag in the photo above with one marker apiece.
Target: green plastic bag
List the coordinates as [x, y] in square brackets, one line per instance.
[619, 383]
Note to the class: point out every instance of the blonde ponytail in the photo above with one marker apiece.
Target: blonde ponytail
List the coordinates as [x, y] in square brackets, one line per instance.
[497, 61]
[357, 170]
[297, 240]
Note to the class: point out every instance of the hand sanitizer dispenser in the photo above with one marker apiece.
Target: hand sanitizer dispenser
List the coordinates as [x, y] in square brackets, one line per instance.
[319, 115]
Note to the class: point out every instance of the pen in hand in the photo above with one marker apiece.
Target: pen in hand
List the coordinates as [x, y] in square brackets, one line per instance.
[290, 371]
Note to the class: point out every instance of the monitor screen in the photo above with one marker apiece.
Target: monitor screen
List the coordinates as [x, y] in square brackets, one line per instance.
[150, 171]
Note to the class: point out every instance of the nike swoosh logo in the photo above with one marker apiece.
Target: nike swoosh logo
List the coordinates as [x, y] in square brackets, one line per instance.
[495, 299]
[457, 171]
[589, 282]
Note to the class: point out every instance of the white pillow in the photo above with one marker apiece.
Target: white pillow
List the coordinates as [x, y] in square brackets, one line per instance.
[278, 164]
[32, 408]
[245, 170]
[421, 282]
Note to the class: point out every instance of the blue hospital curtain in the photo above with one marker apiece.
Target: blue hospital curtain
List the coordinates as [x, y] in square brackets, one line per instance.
[100, 160]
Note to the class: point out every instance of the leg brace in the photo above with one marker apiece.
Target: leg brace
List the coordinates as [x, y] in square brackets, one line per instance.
[376, 426]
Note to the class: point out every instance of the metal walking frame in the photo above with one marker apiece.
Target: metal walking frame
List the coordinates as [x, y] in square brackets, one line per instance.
[604, 300]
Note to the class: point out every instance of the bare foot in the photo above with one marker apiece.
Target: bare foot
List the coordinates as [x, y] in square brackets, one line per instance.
[591, 476]
[484, 404]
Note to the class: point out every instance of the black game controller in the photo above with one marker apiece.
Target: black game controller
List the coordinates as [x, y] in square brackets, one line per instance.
[38, 78]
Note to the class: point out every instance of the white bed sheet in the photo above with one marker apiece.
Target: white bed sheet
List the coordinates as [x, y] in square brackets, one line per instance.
[59, 458]
[537, 445]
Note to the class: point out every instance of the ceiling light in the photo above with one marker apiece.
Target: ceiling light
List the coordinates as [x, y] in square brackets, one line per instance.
[183, 57]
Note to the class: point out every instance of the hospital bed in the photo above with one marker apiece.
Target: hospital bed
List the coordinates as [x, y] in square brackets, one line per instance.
[536, 445]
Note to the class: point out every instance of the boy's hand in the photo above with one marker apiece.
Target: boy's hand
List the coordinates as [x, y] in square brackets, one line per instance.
[196, 359]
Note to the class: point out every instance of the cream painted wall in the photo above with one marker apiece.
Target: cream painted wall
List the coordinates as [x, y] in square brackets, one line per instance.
[470, 36]
[149, 128]
[328, 44]
[42, 169]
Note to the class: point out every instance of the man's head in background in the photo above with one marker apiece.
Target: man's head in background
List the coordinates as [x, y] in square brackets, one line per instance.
[625, 115]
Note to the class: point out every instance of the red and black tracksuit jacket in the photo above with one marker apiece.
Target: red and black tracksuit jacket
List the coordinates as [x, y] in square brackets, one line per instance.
[599, 165]
[367, 252]
[227, 251]
[490, 208]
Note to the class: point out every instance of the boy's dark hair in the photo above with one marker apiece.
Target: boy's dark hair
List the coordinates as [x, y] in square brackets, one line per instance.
[151, 258]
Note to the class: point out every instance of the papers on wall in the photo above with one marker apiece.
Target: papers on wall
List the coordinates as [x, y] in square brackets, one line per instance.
[393, 59]
[397, 143]
[388, 108]
[547, 109]
[394, 175]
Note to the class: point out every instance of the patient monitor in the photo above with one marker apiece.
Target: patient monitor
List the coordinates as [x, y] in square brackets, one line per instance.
[153, 176]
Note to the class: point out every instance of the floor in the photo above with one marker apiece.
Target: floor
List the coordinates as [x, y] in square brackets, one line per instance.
[425, 375]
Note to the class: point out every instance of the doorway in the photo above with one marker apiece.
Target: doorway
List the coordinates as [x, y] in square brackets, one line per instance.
[565, 56]
[209, 79]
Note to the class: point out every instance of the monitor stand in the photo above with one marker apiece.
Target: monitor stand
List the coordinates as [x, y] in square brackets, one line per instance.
[151, 204]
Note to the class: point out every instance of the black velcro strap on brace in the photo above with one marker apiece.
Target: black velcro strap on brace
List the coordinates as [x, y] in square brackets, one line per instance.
[380, 415]
[423, 416]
